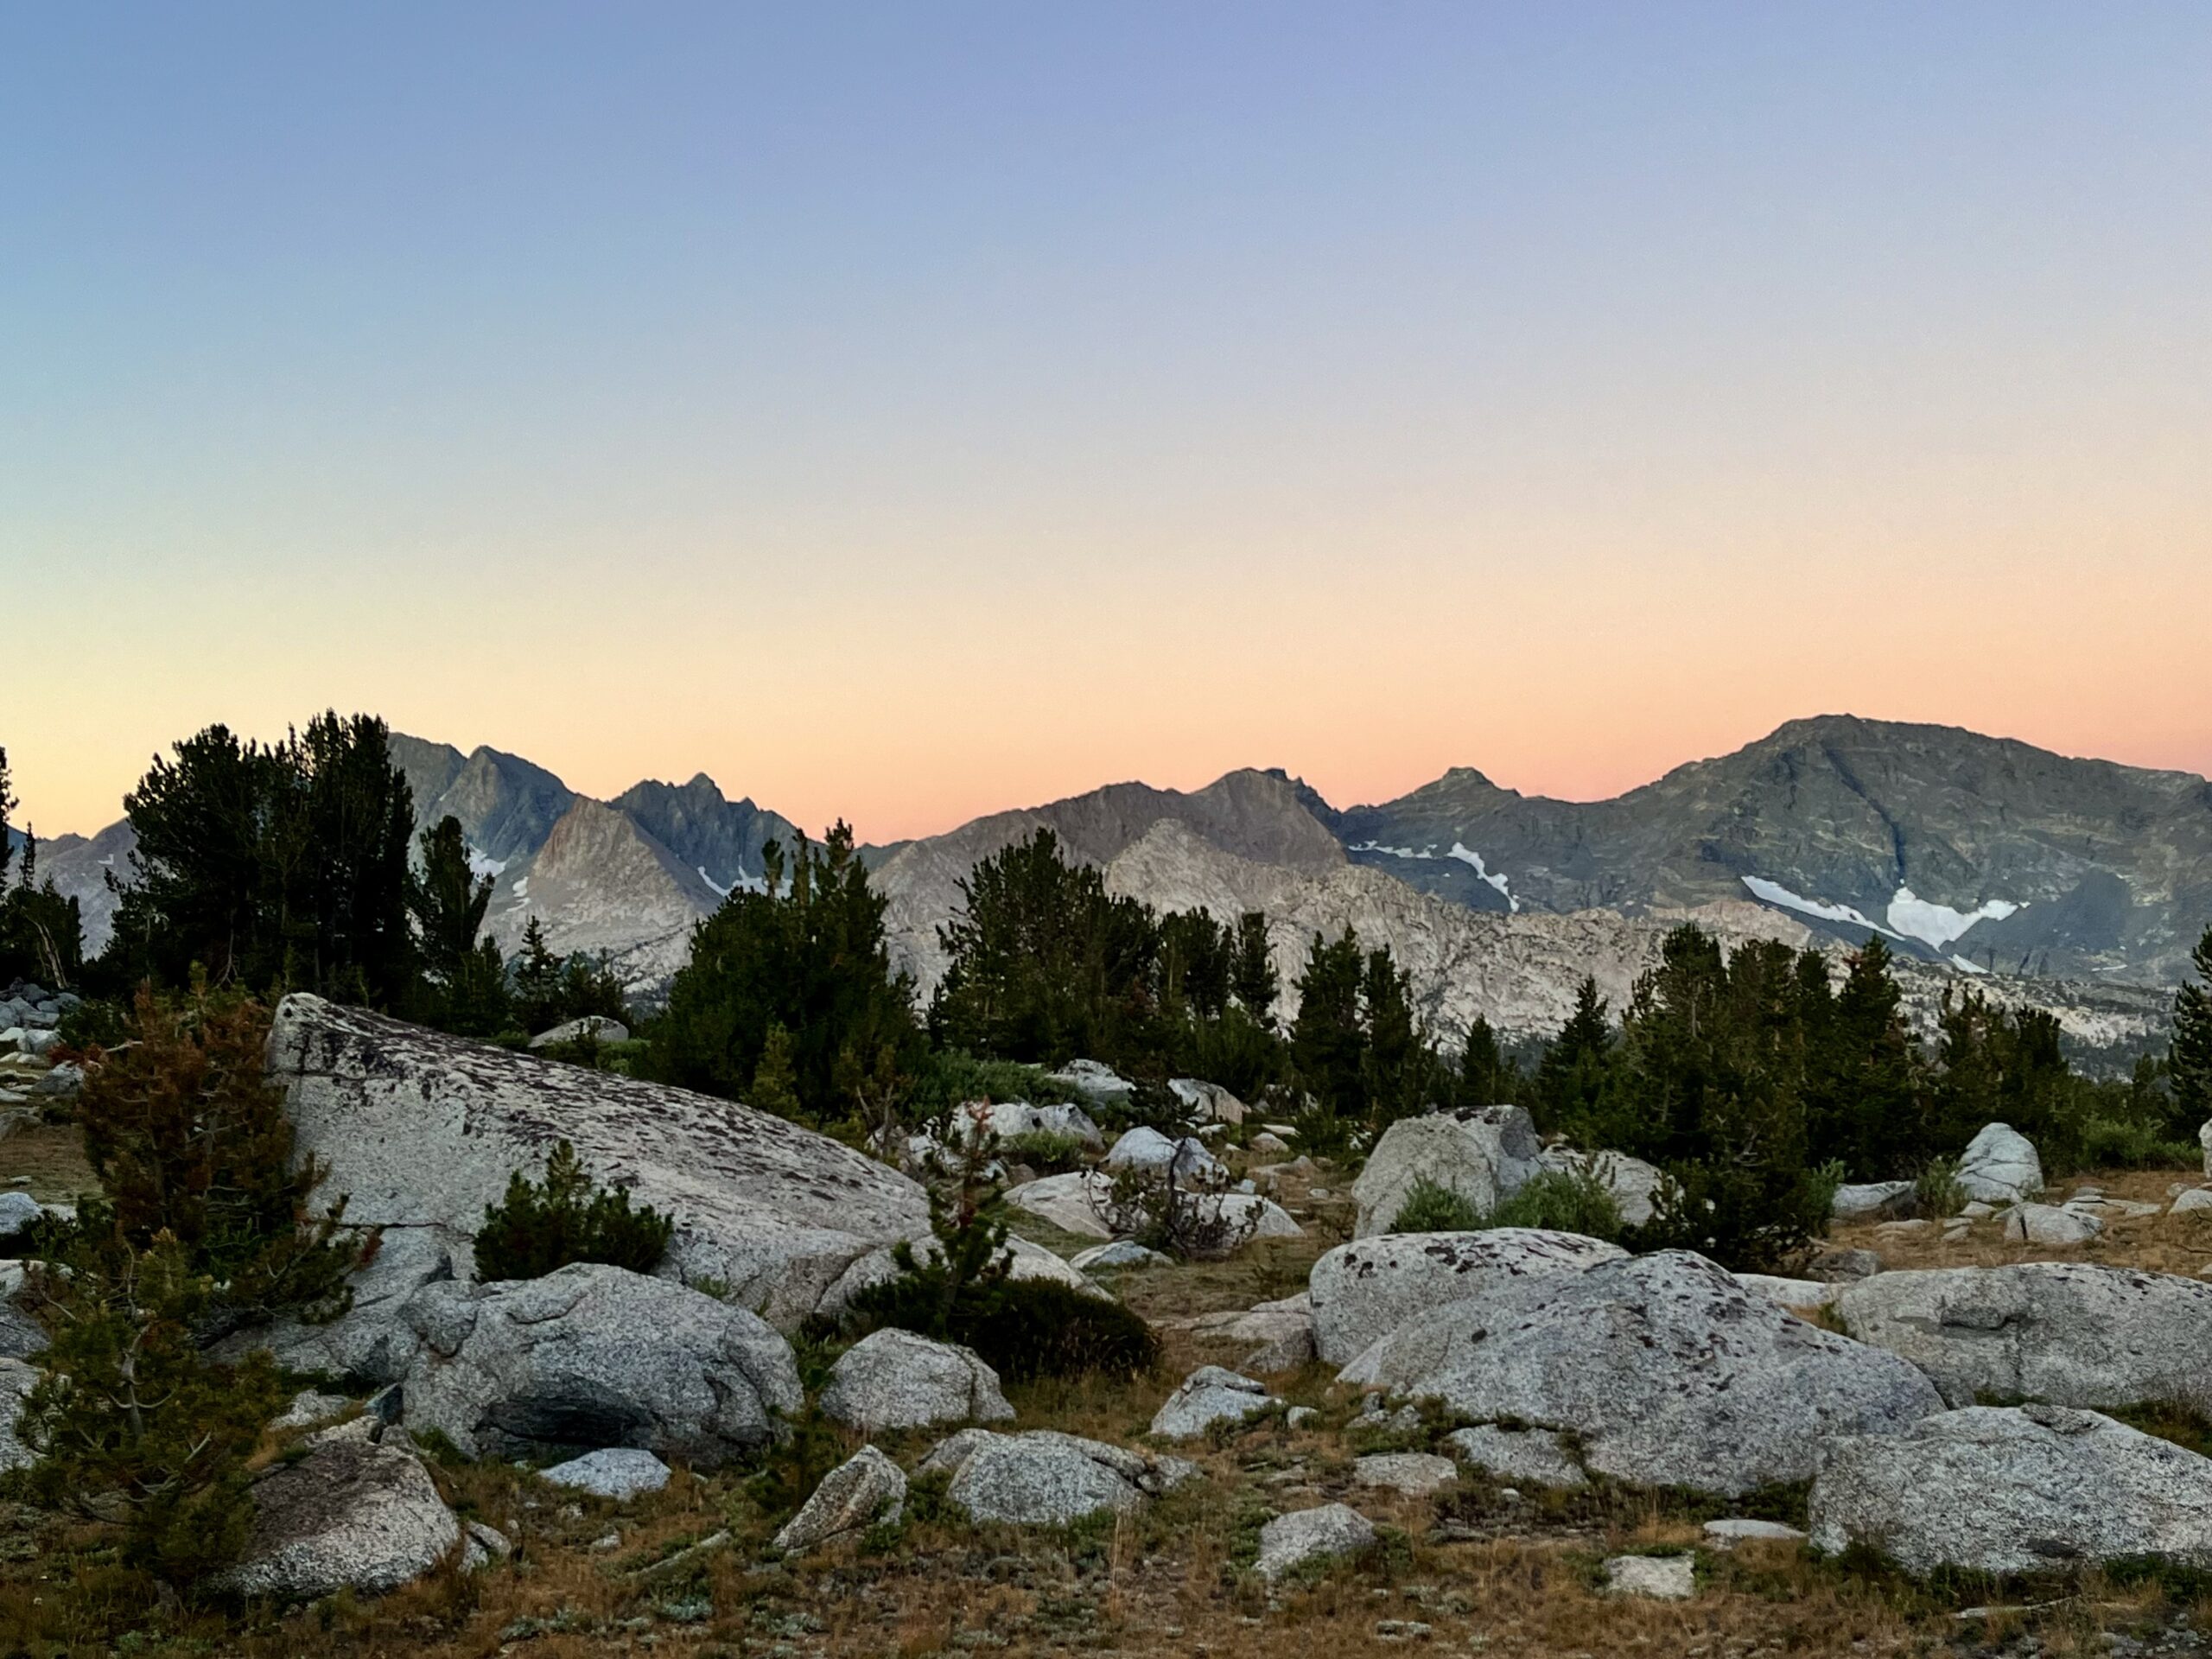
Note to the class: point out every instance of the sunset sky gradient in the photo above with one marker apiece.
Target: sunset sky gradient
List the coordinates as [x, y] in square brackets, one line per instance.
[905, 411]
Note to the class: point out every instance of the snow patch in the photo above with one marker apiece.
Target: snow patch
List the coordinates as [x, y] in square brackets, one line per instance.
[1938, 925]
[721, 892]
[1775, 894]
[1393, 852]
[482, 863]
[522, 890]
[1466, 856]
[1965, 967]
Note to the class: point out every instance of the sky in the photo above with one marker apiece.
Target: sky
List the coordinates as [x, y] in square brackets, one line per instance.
[901, 412]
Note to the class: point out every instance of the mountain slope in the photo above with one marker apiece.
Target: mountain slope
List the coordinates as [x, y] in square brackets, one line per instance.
[720, 838]
[1956, 845]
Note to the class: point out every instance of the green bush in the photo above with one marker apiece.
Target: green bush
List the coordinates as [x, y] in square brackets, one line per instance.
[950, 1078]
[541, 1226]
[1045, 1150]
[1566, 1201]
[1937, 1191]
[1433, 1207]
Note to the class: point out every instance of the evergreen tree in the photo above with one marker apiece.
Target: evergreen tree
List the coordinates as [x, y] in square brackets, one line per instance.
[275, 868]
[1401, 1075]
[1252, 978]
[41, 933]
[536, 981]
[1328, 1041]
[1571, 1078]
[775, 1084]
[1486, 1077]
[2189, 1058]
[1866, 1104]
[808, 954]
[464, 983]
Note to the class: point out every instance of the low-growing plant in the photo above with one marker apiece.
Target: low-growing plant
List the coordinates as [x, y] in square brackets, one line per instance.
[1433, 1207]
[541, 1226]
[1163, 1211]
[1936, 1190]
[1564, 1200]
[1049, 1150]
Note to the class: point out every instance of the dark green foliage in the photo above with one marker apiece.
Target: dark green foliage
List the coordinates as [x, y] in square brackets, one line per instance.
[191, 1142]
[1432, 1207]
[1866, 1101]
[130, 1414]
[1252, 978]
[1568, 1094]
[948, 1078]
[1356, 1049]
[42, 933]
[550, 990]
[1487, 1077]
[1567, 1201]
[541, 1226]
[463, 987]
[275, 868]
[2189, 1061]
[808, 954]
[963, 1290]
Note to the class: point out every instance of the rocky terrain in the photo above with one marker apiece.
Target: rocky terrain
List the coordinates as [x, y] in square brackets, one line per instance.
[1509, 1441]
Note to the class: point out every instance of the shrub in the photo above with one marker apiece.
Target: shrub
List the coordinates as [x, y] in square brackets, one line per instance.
[1937, 1192]
[1045, 1150]
[1157, 1209]
[1567, 1201]
[191, 1142]
[541, 1226]
[946, 1079]
[1433, 1207]
[964, 1292]
[132, 1421]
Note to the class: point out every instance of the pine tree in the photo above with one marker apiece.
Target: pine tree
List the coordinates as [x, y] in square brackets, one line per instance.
[1328, 1041]
[1486, 1077]
[1866, 1104]
[775, 1084]
[1252, 978]
[2190, 1059]
[464, 984]
[537, 981]
[1571, 1075]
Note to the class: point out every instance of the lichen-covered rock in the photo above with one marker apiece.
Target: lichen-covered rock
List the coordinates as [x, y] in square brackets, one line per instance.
[1789, 1293]
[615, 1472]
[1043, 1478]
[2047, 1223]
[894, 1379]
[1094, 1081]
[1484, 1154]
[422, 1130]
[308, 1408]
[1415, 1473]
[1999, 1166]
[2006, 1489]
[17, 1380]
[595, 1356]
[1332, 1532]
[865, 1490]
[1075, 1203]
[1669, 1372]
[1366, 1289]
[1654, 1578]
[1122, 1253]
[351, 1515]
[1146, 1149]
[594, 1027]
[1210, 1395]
[1517, 1456]
[1871, 1201]
[1207, 1100]
[2066, 1333]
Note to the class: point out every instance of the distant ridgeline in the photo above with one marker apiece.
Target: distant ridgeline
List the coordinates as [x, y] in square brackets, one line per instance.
[2076, 886]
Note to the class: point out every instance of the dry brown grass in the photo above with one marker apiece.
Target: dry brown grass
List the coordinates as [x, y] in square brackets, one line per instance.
[50, 1157]
[2161, 1243]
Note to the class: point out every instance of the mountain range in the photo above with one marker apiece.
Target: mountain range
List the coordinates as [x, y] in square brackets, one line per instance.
[2078, 884]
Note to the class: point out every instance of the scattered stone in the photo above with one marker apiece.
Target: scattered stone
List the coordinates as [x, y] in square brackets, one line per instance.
[595, 1027]
[2014, 1490]
[484, 1545]
[2067, 1332]
[1843, 1266]
[595, 1356]
[1044, 1478]
[1268, 1144]
[1670, 1372]
[865, 1491]
[1329, 1533]
[1096, 1082]
[1299, 1416]
[1207, 1100]
[616, 1471]
[1122, 1253]
[1789, 1293]
[1655, 1577]
[309, 1408]
[1872, 1200]
[894, 1379]
[1999, 1166]
[2196, 1201]
[1484, 1154]
[17, 1211]
[1008, 1118]
[1975, 1209]
[1210, 1395]
[1532, 1457]
[1898, 1228]
[1364, 1290]
[61, 1083]
[1148, 1150]
[1735, 1529]
[2044, 1224]
[351, 1515]
[1415, 1473]
[1074, 1203]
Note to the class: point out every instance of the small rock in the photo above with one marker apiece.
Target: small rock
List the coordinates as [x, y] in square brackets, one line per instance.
[1868, 1200]
[1269, 1145]
[2044, 1224]
[1122, 1253]
[894, 1379]
[2195, 1202]
[1735, 1529]
[1843, 1266]
[1290, 1541]
[618, 1472]
[597, 1026]
[1657, 1578]
[1535, 1457]
[1415, 1473]
[1999, 1166]
[350, 1515]
[1210, 1395]
[308, 1408]
[865, 1490]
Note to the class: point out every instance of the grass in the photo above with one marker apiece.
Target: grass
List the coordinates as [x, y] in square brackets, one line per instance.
[52, 1157]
